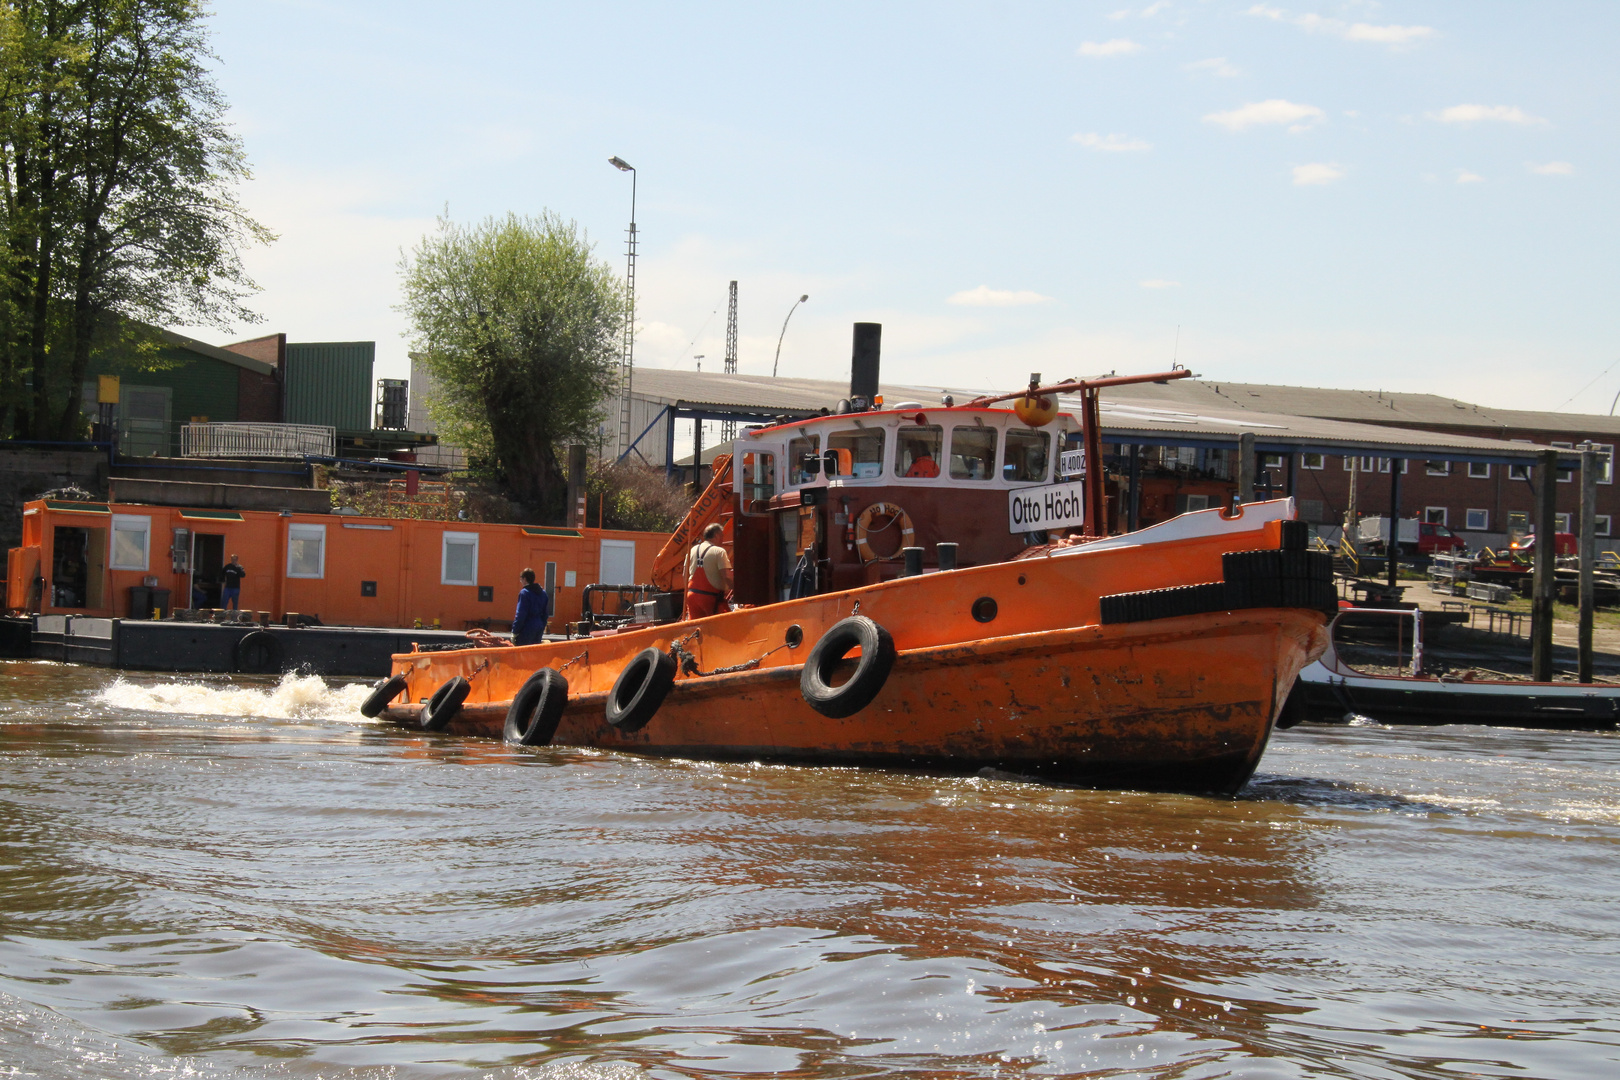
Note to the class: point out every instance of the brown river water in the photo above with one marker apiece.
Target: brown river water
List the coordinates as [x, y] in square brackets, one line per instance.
[210, 880]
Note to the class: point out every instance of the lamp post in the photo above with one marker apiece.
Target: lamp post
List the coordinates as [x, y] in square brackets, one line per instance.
[783, 334]
[627, 363]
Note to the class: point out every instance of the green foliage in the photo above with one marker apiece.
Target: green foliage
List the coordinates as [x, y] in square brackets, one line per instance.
[117, 195]
[519, 326]
[626, 496]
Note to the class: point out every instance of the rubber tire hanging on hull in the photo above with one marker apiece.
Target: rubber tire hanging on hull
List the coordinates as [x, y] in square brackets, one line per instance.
[536, 709]
[444, 704]
[640, 689]
[258, 653]
[871, 671]
[381, 694]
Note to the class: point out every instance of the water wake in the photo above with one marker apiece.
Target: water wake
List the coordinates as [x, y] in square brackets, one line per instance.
[295, 697]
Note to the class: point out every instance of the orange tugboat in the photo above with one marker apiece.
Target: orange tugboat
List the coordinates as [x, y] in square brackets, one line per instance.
[907, 598]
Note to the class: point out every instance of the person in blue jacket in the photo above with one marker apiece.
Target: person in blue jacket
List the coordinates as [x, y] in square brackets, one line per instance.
[533, 606]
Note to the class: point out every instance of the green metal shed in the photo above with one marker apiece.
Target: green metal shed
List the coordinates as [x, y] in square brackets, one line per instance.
[329, 382]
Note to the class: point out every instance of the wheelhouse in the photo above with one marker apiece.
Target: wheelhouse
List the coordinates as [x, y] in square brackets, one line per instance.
[828, 503]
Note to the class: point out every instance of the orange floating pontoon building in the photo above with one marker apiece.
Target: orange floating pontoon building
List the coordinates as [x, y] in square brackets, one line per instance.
[124, 559]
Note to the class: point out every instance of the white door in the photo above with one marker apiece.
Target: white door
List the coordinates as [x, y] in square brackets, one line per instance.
[618, 562]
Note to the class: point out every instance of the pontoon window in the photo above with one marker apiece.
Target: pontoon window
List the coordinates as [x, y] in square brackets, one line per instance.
[458, 559]
[306, 551]
[1026, 455]
[804, 459]
[917, 450]
[858, 450]
[973, 453]
[132, 536]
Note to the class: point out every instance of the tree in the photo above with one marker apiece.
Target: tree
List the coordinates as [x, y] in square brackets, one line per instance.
[117, 194]
[519, 325]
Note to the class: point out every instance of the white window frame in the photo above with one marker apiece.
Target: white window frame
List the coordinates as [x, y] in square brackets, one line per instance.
[1484, 519]
[1519, 472]
[445, 541]
[1429, 510]
[1601, 524]
[1272, 461]
[127, 523]
[1563, 523]
[1564, 476]
[1607, 475]
[1472, 475]
[300, 531]
[1305, 461]
[1437, 468]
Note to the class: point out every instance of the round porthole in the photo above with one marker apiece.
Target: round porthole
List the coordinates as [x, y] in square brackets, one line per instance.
[794, 636]
[984, 609]
[1020, 579]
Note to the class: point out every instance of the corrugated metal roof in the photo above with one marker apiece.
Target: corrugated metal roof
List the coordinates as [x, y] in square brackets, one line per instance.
[1148, 413]
[1375, 407]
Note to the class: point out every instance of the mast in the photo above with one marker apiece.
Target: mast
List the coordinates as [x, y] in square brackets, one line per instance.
[728, 428]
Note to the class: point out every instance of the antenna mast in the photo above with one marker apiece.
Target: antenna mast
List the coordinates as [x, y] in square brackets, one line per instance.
[728, 428]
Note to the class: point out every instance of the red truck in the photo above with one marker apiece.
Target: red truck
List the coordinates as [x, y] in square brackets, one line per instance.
[1417, 537]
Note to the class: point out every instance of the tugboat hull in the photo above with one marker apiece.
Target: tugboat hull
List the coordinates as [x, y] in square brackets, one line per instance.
[1134, 663]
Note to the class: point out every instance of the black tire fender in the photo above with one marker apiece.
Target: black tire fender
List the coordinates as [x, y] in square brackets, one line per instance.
[871, 671]
[536, 709]
[384, 691]
[444, 704]
[640, 689]
[258, 653]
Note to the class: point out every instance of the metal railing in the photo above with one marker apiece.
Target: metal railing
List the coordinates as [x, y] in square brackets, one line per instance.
[257, 440]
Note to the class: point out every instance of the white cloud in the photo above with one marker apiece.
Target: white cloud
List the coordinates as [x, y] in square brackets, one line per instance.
[1317, 172]
[1118, 15]
[1551, 168]
[1275, 111]
[1110, 143]
[1466, 177]
[1321, 24]
[1475, 114]
[1160, 283]
[1111, 47]
[1217, 66]
[984, 296]
[1154, 8]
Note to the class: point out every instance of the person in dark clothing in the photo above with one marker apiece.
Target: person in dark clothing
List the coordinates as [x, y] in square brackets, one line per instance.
[533, 607]
[230, 596]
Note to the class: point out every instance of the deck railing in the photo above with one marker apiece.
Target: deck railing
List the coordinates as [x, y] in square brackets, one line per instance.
[257, 440]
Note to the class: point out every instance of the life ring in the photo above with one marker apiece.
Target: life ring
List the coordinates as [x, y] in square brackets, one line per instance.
[381, 694]
[258, 652]
[871, 670]
[863, 527]
[444, 704]
[640, 689]
[531, 719]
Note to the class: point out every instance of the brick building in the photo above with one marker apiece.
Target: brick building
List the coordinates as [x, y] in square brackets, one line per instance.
[1483, 501]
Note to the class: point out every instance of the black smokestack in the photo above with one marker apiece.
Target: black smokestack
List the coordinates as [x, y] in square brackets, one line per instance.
[863, 362]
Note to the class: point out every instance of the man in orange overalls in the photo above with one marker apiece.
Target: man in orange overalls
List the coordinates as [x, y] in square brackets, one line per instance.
[708, 576]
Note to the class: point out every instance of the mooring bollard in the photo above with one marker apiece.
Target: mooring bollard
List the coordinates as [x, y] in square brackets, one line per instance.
[947, 554]
[913, 561]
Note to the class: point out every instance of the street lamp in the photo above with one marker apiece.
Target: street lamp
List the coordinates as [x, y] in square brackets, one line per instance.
[783, 334]
[628, 365]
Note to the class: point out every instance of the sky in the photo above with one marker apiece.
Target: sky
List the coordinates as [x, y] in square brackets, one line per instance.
[1396, 196]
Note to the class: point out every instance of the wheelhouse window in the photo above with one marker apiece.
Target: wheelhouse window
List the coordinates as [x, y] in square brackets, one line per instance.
[459, 559]
[306, 551]
[917, 450]
[973, 453]
[856, 452]
[758, 477]
[1026, 456]
[804, 459]
[131, 541]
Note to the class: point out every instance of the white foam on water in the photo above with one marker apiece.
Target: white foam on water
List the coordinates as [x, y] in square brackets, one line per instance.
[295, 697]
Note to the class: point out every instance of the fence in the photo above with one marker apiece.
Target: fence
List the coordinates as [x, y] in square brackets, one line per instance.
[257, 440]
